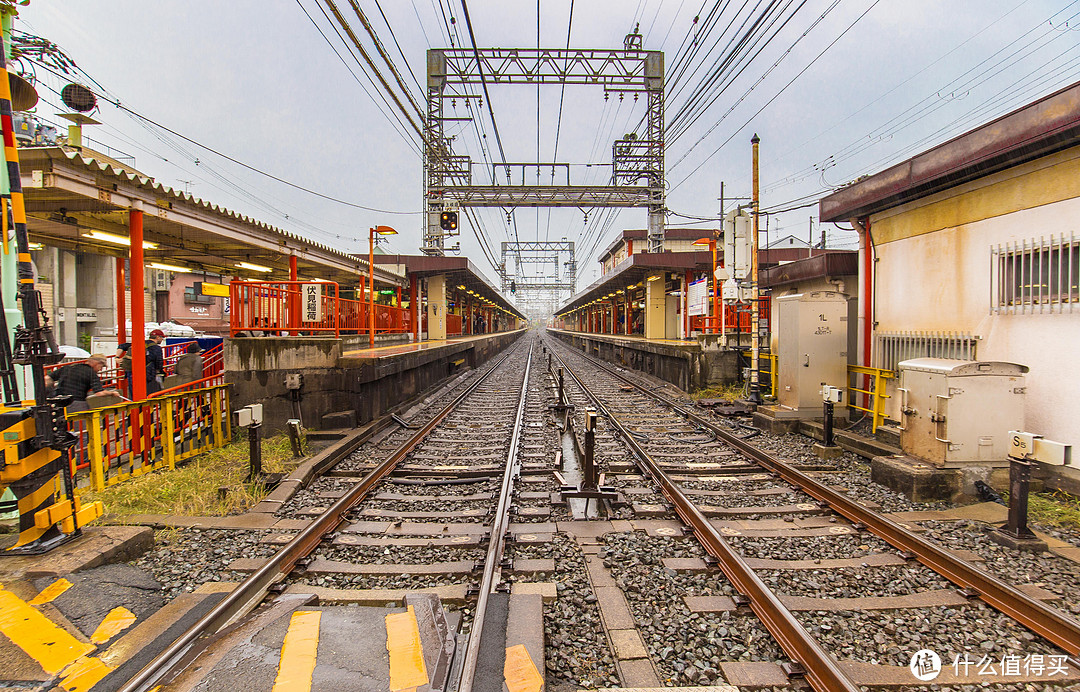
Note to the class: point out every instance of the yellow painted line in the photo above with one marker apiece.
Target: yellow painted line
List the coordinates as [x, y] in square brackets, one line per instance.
[298, 652]
[519, 671]
[84, 674]
[118, 620]
[50, 592]
[52, 647]
[407, 669]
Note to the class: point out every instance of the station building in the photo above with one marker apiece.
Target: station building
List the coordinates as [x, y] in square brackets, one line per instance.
[970, 250]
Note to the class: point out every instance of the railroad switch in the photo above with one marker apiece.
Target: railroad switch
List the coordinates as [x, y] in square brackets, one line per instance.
[592, 481]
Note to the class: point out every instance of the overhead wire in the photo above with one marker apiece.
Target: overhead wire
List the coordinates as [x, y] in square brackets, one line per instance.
[778, 93]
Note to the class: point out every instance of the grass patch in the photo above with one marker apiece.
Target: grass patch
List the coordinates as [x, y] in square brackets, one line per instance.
[728, 391]
[1055, 509]
[192, 489]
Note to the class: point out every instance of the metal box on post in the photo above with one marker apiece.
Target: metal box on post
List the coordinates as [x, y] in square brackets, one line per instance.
[959, 411]
[813, 338]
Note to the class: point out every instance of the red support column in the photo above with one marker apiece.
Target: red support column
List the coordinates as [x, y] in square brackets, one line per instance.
[138, 319]
[121, 315]
[414, 308]
[121, 307]
[294, 297]
[686, 304]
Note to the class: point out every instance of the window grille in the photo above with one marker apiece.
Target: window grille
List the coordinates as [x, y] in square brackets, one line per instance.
[1037, 275]
[895, 347]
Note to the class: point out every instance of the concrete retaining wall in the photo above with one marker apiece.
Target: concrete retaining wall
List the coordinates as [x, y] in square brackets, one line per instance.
[256, 369]
[689, 367]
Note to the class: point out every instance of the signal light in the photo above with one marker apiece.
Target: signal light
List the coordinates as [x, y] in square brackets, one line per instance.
[513, 287]
[448, 221]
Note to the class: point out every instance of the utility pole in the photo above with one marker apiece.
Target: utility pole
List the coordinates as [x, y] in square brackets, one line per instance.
[755, 315]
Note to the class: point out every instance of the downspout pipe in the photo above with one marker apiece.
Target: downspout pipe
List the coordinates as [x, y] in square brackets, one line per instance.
[866, 292]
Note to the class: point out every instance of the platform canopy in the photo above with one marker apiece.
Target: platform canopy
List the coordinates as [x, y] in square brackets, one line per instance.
[460, 274]
[80, 201]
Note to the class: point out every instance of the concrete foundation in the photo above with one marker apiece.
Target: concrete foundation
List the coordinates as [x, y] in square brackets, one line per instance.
[333, 382]
[914, 479]
[688, 366]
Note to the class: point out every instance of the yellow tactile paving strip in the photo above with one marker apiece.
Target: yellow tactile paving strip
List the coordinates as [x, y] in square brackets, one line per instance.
[299, 652]
[407, 669]
[519, 671]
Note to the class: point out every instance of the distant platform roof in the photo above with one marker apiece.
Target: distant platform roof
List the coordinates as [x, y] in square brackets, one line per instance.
[829, 263]
[633, 269]
[460, 274]
[1048, 125]
[69, 194]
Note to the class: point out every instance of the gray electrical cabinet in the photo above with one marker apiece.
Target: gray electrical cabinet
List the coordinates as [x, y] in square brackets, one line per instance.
[959, 411]
[813, 341]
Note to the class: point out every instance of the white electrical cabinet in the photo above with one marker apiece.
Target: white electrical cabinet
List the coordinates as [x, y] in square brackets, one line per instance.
[959, 411]
[738, 239]
[813, 340]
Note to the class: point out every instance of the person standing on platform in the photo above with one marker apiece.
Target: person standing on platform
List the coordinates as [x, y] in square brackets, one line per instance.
[123, 355]
[80, 380]
[189, 367]
[155, 362]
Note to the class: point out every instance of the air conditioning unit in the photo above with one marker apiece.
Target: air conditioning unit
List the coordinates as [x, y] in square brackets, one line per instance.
[959, 411]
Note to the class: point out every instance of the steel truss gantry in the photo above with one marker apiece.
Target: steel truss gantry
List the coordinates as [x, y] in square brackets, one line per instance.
[637, 178]
[542, 253]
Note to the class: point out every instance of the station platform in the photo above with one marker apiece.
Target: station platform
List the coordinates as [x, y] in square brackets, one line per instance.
[342, 386]
[688, 364]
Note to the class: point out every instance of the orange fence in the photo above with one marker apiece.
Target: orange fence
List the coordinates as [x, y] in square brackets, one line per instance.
[305, 307]
[132, 438]
[736, 318]
[453, 325]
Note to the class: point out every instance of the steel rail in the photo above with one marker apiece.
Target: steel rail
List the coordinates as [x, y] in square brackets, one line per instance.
[1048, 622]
[822, 669]
[251, 590]
[493, 561]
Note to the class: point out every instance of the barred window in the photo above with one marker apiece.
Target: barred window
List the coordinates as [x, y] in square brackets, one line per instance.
[1039, 275]
[896, 347]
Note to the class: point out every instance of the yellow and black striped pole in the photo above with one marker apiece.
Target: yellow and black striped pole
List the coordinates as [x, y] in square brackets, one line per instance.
[35, 440]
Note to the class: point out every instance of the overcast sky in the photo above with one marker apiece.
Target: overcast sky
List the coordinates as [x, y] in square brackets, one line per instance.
[874, 83]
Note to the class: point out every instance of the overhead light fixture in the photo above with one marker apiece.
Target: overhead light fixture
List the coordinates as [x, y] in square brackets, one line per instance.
[169, 267]
[116, 239]
[462, 287]
[253, 267]
[656, 278]
[36, 246]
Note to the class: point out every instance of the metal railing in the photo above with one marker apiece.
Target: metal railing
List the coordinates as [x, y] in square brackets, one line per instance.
[873, 394]
[772, 370]
[132, 438]
[306, 308]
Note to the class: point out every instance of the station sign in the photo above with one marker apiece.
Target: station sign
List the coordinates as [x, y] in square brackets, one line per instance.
[202, 288]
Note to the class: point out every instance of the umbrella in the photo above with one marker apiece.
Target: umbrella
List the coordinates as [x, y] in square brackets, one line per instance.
[72, 352]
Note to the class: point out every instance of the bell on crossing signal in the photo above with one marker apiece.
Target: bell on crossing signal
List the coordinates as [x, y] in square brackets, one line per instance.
[448, 221]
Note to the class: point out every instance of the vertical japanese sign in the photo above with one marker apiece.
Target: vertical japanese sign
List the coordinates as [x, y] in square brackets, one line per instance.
[313, 305]
[697, 298]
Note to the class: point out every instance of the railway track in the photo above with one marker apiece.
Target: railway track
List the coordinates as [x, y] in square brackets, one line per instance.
[445, 492]
[708, 474]
[708, 562]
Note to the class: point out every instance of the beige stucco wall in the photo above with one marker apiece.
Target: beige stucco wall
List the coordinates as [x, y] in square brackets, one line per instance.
[933, 274]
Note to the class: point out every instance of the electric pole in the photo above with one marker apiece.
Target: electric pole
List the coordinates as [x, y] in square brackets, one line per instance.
[755, 314]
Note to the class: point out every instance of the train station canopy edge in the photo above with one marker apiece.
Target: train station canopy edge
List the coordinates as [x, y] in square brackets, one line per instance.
[69, 194]
[459, 272]
[1038, 129]
[634, 269]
